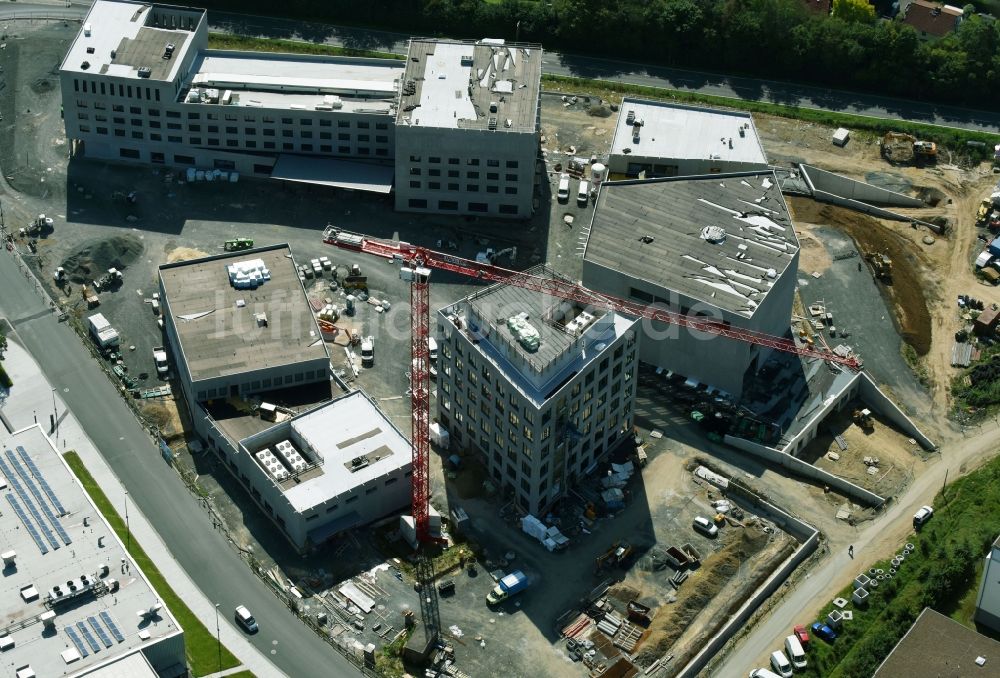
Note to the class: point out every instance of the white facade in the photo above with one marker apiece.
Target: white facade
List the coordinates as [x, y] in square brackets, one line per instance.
[356, 468]
[538, 419]
[129, 97]
[988, 599]
[664, 139]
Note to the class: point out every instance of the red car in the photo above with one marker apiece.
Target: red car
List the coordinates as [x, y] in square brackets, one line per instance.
[802, 634]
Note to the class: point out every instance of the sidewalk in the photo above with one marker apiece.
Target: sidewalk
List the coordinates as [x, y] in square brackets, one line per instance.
[31, 401]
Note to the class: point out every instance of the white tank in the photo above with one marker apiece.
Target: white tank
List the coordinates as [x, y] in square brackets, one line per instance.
[598, 172]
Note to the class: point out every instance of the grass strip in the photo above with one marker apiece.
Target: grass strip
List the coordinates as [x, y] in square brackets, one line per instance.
[956, 139]
[200, 645]
[249, 44]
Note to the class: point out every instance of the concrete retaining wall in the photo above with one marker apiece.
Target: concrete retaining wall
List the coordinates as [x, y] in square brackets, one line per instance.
[878, 401]
[790, 524]
[865, 208]
[835, 184]
[807, 470]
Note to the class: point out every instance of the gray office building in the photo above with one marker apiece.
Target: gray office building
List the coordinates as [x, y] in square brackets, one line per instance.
[541, 388]
[720, 246]
[467, 128]
[140, 85]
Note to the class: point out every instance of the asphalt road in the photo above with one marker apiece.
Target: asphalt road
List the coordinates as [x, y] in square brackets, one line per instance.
[555, 63]
[202, 551]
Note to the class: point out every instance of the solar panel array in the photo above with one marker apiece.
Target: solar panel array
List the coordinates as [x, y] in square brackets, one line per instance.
[112, 626]
[30, 463]
[99, 630]
[60, 530]
[89, 637]
[81, 648]
[27, 523]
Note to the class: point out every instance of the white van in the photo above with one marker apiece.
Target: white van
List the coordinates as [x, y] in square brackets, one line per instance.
[583, 195]
[763, 673]
[245, 619]
[563, 193]
[780, 663]
[793, 648]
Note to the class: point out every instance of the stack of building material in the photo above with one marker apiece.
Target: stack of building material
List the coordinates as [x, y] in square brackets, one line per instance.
[527, 335]
[627, 637]
[610, 624]
[249, 274]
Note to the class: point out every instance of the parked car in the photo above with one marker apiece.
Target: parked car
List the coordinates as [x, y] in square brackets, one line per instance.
[763, 673]
[823, 631]
[246, 620]
[802, 634]
[796, 655]
[922, 516]
[705, 526]
[781, 665]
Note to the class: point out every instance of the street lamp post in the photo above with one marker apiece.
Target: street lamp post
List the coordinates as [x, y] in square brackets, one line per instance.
[128, 531]
[218, 639]
[55, 413]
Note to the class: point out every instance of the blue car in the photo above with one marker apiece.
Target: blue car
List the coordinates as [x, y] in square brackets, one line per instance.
[824, 632]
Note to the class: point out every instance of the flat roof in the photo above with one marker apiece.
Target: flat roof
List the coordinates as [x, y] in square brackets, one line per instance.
[293, 81]
[215, 322]
[452, 84]
[349, 427]
[65, 506]
[560, 352]
[687, 132]
[137, 34]
[655, 230]
[335, 172]
[941, 647]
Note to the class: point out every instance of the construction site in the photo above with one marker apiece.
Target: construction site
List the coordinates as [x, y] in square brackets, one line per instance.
[624, 577]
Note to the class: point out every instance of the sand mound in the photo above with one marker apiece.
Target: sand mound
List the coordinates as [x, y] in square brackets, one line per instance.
[98, 256]
[184, 254]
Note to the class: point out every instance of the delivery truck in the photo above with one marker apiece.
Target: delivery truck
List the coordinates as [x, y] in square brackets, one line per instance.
[508, 586]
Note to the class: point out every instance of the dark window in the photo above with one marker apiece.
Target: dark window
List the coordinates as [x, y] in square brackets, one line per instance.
[117, 108]
[381, 151]
[325, 123]
[154, 112]
[286, 133]
[325, 148]
[129, 90]
[510, 190]
[343, 137]
[343, 123]
[434, 160]
[478, 207]
[508, 209]
[173, 125]
[453, 187]
[226, 165]
[102, 130]
[306, 135]
[493, 176]
[287, 147]
[173, 114]
[286, 121]
[232, 130]
[434, 172]
[453, 174]
[472, 175]
[325, 135]
[213, 142]
[434, 185]
[452, 161]
[261, 169]
[381, 139]
[305, 121]
[363, 137]
[307, 147]
[414, 184]
[155, 124]
[381, 125]
[512, 164]
[194, 128]
[213, 129]
[447, 205]
[363, 125]
[492, 163]
[156, 157]
[511, 177]
[194, 116]
[175, 140]
[492, 189]
[232, 143]
[250, 143]
[86, 128]
[135, 110]
[268, 132]
[155, 137]
[473, 188]
[343, 149]
[269, 145]
[137, 135]
[128, 153]
[418, 202]
[119, 132]
[473, 162]
[196, 141]
[250, 131]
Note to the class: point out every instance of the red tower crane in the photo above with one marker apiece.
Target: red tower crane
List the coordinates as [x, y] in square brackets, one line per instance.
[417, 263]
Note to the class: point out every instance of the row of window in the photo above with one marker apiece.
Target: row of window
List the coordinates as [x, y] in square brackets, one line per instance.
[473, 162]
[469, 188]
[234, 117]
[109, 89]
[452, 206]
[235, 144]
[454, 174]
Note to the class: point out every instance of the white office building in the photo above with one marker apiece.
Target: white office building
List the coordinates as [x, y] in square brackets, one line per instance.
[664, 139]
[140, 85]
[541, 388]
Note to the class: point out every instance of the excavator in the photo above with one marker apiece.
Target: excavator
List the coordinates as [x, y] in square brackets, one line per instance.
[881, 265]
[614, 556]
[863, 418]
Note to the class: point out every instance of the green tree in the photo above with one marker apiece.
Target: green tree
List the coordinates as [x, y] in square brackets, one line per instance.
[854, 11]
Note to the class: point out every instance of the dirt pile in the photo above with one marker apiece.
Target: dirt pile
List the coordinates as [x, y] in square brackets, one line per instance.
[96, 257]
[702, 586]
[185, 254]
[905, 292]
